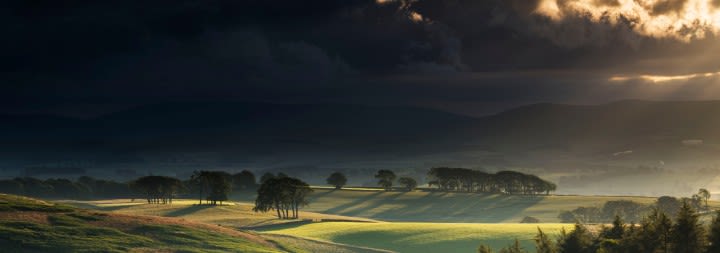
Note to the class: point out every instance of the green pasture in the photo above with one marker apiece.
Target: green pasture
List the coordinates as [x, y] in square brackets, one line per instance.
[422, 206]
[420, 237]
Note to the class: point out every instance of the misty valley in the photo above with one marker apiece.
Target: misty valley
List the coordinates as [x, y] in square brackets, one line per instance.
[185, 177]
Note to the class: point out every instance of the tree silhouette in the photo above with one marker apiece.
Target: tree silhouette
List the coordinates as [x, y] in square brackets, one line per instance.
[408, 183]
[285, 195]
[577, 241]
[337, 179]
[385, 179]
[705, 194]
[617, 231]
[213, 186]
[714, 235]
[244, 180]
[668, 205]
[688, 236]
[158, 189]
[266, 176]
[484, 249]
[508, 182]
[543, 244]
[513, 248]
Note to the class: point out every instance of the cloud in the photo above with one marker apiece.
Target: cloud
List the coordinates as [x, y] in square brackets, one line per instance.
[668, 6]
[683, 20]
[498, 52]
[664, 78]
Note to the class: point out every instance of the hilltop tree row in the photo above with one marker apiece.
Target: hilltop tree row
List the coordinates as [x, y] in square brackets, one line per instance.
[508, 182]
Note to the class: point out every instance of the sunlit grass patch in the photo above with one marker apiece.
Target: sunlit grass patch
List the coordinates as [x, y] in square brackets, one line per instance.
[421, 237]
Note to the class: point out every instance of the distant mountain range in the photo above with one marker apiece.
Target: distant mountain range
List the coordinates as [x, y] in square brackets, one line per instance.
[264, 129]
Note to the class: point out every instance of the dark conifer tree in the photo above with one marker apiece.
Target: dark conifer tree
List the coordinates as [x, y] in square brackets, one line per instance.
[688, 236]
[714, 235]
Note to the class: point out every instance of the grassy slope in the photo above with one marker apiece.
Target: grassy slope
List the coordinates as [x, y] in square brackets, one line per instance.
[29, 225]
[452, 207]
[399, 207]
[230, 214]
[421, 237]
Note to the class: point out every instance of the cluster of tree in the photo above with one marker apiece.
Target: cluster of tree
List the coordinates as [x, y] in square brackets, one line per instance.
[627, 210]
[386, 178]
[83, 188]
[213, 186]
[283, 194]
[656, 232]
[467, 180]
[244, 181]
[158, 189]
[632, 211]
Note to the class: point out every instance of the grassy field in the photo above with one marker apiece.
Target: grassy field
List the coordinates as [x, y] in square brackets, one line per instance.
[420, 237]
[396, 221]
[452, 207]
[230, 214]
[29, 225]
[373, 205]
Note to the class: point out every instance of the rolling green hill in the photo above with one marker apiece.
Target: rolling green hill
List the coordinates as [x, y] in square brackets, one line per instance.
[450, 207]
[373, 220]
[420, 237]
[231, 214]
[30, 225]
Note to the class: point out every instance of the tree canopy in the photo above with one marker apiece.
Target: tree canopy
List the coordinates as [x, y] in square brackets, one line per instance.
[385, 179]
[508, 182]
[337, 179]
[285, 195]
[408, 183]
[158, 189]
[213, 186]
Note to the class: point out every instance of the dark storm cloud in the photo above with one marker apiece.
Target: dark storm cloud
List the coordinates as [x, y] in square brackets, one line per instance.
[334, 51]
[665, 6]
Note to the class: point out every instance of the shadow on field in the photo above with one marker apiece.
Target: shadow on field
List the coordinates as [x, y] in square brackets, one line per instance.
[279, 226]
[99, 208]
[389, 199]
[187, 211]
[341, 208]
[322, 193]
[458, 207]
[427, 206]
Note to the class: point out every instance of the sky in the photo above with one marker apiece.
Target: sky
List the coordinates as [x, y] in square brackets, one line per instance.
[83, 58]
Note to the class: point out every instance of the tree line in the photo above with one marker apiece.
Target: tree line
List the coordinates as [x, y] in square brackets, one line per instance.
[83, 188]
[508, 182]
[631, 211]
[210, 186]
[461, 180]
[656, 232]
